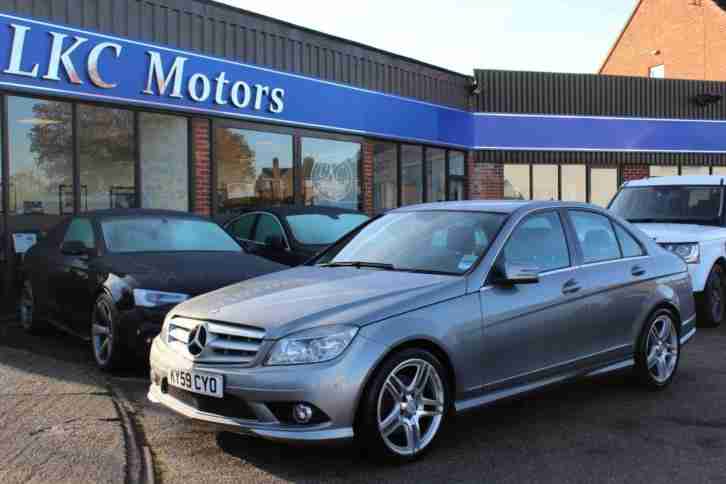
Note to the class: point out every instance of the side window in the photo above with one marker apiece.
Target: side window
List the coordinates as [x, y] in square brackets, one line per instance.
[630, 246]
[81, 230]
[596, 236]
[267, 226]
[242, 227]
[539, 243]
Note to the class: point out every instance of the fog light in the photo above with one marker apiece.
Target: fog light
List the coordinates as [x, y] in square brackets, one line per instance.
[302, 413]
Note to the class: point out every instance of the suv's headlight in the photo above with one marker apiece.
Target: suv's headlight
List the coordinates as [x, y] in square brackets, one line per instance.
[688, 252]
[151, 299]
[312, 346]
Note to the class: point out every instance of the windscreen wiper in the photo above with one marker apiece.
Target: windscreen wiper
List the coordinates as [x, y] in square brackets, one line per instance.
[359, 264]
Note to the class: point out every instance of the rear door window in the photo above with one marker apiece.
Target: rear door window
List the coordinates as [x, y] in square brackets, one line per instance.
[81, 230]
[267, 226]
[596, 236]
[242, 227]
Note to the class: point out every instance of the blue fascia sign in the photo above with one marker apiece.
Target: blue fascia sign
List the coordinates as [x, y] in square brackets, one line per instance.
[45, 58]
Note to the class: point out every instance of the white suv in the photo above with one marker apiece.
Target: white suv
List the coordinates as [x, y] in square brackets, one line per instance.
[685, 215]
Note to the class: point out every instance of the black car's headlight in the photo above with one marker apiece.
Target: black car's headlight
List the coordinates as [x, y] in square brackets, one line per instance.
[312, 346]
[689, 252]
[147, 298]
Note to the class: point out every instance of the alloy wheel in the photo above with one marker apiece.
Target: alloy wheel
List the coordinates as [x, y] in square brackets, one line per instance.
[27, 306]
[662, 348]
[410, 407]
[102, 332]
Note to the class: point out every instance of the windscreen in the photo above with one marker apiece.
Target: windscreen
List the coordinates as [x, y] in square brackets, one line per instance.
[669, 204]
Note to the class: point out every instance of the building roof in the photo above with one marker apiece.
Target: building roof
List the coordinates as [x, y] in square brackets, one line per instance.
[708, 180]
[620, 35]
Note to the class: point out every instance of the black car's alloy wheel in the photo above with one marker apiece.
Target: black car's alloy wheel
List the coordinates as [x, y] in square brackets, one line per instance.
[659, 350]
[26, 309]
[107, 348]
[711, 307]
[405, 406]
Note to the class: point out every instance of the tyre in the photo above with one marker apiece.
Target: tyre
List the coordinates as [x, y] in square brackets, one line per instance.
[711, 304]
[658, 351]
[105, 335]
[404, 407]
[27, 311]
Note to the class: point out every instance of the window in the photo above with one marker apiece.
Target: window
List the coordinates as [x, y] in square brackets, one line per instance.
[695, 170]
[603, 185]
[447, 242]
[164, 161]
[165, 234]
[719, 170]
[457, 175]
[435, 175]
[545, 182]
[411, 174]
[81, 230]
[242, 227]
[669, 204]
[657, 72]
[41, 156]
[385, 176]
[671, 170]
[574, 183]
[630, 246]
[322, 229]
[538, 243]
[596, 236]
[516, 182]
[267, 227]
[253, 168]
[330, 171]
[107, 159]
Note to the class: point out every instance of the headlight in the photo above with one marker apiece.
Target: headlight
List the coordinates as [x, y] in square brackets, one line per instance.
[312, 346]
[151, 299]
[688, 252]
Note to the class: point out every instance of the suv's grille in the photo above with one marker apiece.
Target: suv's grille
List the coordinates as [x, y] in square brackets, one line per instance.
[225, 342]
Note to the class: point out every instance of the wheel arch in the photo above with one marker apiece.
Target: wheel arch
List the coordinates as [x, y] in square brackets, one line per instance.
[416, 343]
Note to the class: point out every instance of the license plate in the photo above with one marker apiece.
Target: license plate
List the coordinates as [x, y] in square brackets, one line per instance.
[198, 382]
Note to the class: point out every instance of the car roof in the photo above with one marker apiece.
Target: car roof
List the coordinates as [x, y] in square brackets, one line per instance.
[709, 180]
[141, 212]
[496, 206]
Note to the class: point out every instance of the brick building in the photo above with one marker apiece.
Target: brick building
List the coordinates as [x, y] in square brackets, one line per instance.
[194, 105]
[678, 39]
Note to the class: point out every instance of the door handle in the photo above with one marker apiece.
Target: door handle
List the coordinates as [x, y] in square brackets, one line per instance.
[637, 271]
[571, 287]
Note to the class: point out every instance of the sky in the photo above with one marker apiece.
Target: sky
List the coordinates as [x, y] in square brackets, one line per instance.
[539, 35]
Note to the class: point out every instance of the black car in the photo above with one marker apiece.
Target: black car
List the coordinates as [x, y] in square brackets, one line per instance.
[291, 235]
[111, 276]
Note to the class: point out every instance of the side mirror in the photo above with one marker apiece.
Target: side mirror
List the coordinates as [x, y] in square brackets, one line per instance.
[275, 242]
[74, 247]
[511, 274]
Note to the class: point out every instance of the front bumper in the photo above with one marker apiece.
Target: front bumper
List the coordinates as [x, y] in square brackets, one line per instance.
[333, 387]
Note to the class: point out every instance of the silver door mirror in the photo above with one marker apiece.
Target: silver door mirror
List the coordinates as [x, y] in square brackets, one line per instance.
[510, 274]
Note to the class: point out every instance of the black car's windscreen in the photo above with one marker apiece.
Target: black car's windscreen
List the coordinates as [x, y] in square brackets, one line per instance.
[165, 234]
[669, 204]
[323, 229]
[446, 242]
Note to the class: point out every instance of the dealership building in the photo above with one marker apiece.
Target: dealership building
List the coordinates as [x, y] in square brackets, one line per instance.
[194, 105]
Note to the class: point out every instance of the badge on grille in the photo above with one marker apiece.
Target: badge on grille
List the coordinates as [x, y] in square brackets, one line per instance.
[197, 339]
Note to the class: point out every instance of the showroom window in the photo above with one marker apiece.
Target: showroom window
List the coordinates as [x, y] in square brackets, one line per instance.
[719, 170]
[603, 185]
[253, 168]
[545, 182]
[411, 174]
[695, 170]
[665, 170]
[457, 175]
[385, 176]
[330, 172]
[106, 158]
[41, 156]
[574, 183]
[517, 182]
[164, 161]
[435, 175]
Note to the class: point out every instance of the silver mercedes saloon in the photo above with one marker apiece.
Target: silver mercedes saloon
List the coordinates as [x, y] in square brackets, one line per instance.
[423, 312]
